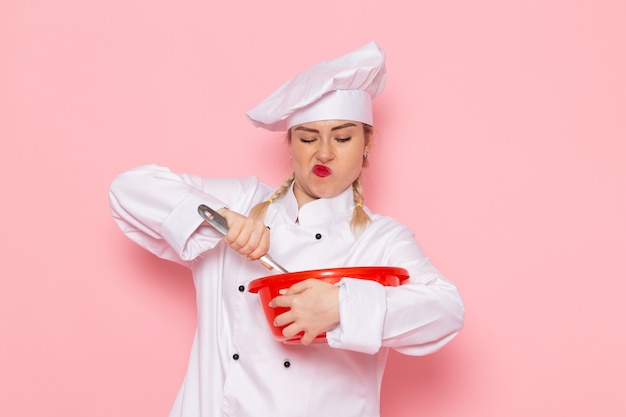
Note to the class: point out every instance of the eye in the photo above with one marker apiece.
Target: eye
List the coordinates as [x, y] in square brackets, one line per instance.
[307, 140]
[343, 140]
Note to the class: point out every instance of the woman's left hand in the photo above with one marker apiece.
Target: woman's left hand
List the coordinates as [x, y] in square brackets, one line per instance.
[313, 309]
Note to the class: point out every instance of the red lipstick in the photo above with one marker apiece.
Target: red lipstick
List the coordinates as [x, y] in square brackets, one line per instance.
[322, 171]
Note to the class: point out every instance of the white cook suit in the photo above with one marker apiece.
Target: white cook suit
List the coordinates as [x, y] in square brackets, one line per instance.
[235, 367]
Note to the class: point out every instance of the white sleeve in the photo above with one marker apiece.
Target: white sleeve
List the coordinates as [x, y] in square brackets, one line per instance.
[361, 312]
[158, 209]
[416, 318]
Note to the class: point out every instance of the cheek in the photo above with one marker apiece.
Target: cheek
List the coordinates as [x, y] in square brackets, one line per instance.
[300, 168]
[300, 154]
[297, 161]
[356, 161]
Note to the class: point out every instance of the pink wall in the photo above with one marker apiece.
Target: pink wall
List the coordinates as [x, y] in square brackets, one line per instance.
[502, 142]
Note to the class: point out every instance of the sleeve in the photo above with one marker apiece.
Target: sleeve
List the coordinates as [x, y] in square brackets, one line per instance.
[158, 209]
[416, 318]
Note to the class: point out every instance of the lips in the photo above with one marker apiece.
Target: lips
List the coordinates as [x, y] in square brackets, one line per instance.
[322, 171]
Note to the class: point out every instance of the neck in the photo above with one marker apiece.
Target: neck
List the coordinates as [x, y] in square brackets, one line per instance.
[301, 196]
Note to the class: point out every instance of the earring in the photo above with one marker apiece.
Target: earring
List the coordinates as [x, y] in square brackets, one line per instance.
[366, 155]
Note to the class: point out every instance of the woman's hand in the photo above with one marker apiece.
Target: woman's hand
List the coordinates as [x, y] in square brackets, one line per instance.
[314, 309]
[247, 236]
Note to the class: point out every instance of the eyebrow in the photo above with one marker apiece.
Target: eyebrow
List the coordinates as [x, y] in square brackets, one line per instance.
[308, 129]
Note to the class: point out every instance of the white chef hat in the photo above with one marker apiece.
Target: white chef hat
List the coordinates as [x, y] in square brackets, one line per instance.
[341, 89]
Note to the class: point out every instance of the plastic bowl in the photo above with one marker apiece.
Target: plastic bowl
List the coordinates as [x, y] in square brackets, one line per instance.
[268, 288]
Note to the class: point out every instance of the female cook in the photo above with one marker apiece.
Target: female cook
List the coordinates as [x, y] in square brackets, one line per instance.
[316, 219]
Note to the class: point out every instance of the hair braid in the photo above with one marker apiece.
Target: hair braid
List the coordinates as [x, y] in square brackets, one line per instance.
[258, 211]
[360, 218]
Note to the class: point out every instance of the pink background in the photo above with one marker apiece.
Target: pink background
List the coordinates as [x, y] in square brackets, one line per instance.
[501, 142]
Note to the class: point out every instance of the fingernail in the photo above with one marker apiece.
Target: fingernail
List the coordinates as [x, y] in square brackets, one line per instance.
[283, 291]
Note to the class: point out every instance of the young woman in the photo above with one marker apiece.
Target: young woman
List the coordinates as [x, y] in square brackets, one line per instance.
[316, 219]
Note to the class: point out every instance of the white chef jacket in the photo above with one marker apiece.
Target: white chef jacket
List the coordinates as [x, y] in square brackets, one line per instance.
[235, 367]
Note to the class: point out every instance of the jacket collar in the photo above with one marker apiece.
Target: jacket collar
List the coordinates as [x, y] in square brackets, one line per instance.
[318, 211]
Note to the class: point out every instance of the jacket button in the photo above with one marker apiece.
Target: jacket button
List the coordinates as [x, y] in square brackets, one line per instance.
[286, 364]
[318, 236]
[236, 356]
[242, 288]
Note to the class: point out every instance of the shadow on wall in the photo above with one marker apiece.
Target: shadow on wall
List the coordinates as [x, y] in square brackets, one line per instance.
[144, 271]
[424, 385]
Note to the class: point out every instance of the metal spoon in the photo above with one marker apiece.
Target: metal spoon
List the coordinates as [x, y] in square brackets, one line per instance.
[219, 223]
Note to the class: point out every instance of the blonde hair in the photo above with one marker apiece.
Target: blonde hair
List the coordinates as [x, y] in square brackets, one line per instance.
[258, 211]
[360, 219]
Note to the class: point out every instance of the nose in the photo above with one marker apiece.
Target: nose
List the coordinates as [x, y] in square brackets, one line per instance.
[325, 151]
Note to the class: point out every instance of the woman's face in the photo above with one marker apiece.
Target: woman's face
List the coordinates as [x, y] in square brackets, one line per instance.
[327, 157]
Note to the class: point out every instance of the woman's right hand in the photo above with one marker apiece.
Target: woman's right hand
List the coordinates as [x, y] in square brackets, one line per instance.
[247, 236]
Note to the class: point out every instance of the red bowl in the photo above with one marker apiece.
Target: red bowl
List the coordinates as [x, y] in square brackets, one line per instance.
[268, 288]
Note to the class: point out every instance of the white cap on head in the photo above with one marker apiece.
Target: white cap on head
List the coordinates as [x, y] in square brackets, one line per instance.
[338, 89]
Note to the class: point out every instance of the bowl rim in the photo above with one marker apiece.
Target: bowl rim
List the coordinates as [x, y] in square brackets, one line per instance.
[256, 284]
